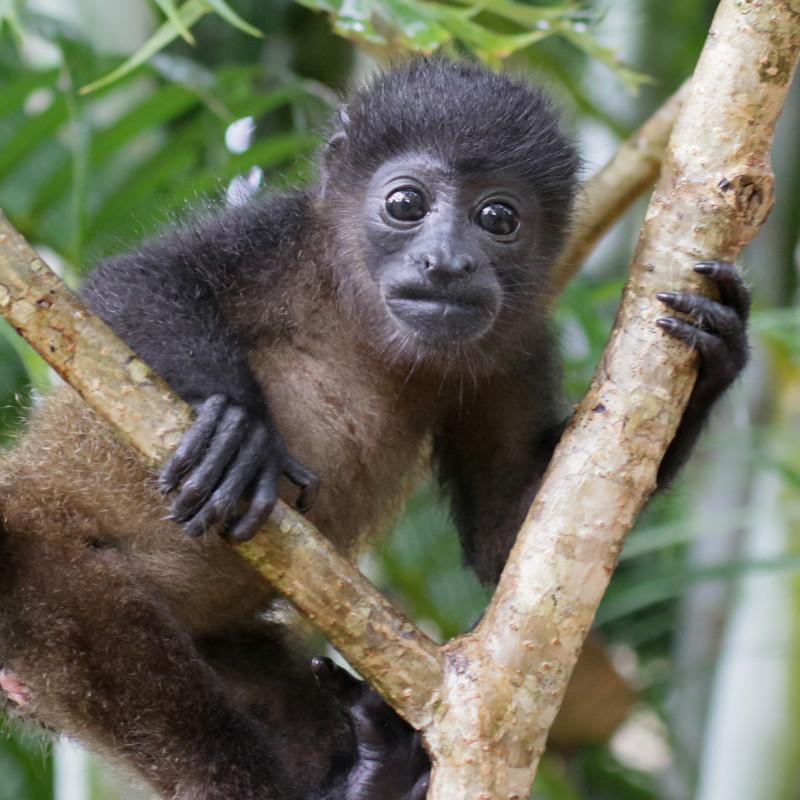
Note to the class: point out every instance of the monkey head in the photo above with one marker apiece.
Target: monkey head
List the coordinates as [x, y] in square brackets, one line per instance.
[442, 250]
[452, 213]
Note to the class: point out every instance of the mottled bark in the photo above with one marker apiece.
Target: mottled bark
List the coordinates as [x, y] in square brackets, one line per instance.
[505, 679]
[612, 190]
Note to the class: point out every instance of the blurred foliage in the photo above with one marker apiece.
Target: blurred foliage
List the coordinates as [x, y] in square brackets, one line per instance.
[26, 768]
[84, 174]
[492, 31]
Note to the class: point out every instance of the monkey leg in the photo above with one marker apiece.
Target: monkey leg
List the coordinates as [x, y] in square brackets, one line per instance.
[107, 664]
[266, 669]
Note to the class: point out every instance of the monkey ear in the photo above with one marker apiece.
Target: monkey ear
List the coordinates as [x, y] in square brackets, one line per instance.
[339, 136]
[335, 145]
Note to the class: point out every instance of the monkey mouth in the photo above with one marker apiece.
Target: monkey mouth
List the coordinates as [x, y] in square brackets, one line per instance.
[437, 317]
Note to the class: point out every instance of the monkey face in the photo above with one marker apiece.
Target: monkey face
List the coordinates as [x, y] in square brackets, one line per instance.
[446, 250]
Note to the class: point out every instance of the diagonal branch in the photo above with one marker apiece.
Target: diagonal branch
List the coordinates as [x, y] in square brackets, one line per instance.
[610, 192]
[289, 551]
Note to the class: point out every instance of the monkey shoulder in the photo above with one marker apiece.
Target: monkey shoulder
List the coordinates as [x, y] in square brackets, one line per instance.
[215, 246]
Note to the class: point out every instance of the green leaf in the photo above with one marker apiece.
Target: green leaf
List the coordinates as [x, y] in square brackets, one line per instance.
[484, 42]
[491, 29]
[228, 14]
[14, 94]
[657, 588]
[166, 104]
[525, 15]
[170, 179]
[171, 13]
[188, 14]
[9, 15]
[32, 133]
[586, 42]
[420, 26]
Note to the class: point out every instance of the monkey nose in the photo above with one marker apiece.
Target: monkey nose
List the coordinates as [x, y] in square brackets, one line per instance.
[447, 266]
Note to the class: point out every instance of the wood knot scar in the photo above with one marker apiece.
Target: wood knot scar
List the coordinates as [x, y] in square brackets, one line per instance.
[745, 195]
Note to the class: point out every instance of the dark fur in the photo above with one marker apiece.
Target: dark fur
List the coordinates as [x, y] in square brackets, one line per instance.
[168, 651]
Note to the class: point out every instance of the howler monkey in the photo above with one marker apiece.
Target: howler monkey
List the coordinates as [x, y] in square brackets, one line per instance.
[332, 337]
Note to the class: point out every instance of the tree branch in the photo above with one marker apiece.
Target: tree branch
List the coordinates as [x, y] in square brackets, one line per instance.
[611, 191]
[289, 551]
[714, 192]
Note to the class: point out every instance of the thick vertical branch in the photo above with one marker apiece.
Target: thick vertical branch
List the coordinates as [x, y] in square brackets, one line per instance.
[505, 680]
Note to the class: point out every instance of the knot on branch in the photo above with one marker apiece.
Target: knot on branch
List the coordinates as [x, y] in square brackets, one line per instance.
[748, 196]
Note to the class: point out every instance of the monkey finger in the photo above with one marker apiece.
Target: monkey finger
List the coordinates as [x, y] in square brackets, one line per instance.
[712, 349]
[208, 473]
[209, 514]
[420, 790]
[265, 495]
[708, 314]
[193, 444]
[221, 505]
[682, 330]
[14, 690]
[732, 289]
[308, 481]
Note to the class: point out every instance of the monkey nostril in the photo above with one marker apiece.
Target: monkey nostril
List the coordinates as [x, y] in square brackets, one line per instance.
[464, 264]
[429, 263]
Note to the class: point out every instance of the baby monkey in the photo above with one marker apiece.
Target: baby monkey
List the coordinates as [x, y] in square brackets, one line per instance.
[329, 340]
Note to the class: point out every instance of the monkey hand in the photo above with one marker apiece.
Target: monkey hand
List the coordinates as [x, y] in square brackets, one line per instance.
[717, 330]
[391, 763]
[230, 452]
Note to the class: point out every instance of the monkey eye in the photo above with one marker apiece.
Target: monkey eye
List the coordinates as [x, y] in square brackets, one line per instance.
[498, 219]
[406, 205]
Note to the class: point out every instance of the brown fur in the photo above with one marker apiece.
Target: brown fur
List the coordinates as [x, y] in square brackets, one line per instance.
[95, 554]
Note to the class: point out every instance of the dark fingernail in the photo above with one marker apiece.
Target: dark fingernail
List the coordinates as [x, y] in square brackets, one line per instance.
[666, 296]
[166, 486]
[180, 514]
[321, 666]
[193, 530]
[241, 534]
[705, 267]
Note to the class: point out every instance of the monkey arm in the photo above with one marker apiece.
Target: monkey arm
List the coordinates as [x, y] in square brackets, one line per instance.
[491, 456]
[167, 300]
[170, 303]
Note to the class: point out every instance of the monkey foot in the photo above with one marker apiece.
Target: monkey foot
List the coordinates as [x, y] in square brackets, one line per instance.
[15, 690]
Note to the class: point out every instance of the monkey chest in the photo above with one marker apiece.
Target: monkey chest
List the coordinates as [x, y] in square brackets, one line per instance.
[355, 425]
